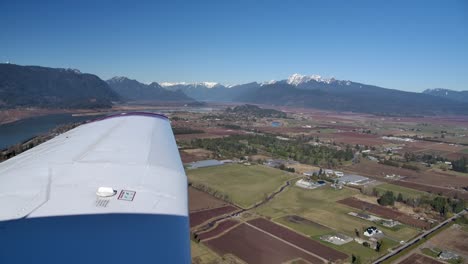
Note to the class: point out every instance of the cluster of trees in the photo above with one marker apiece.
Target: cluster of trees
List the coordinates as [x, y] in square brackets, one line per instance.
[186, 130]
[440, 204]
[283, 167]
[227, 147]
[387, 199]
[460, 165]
[230, 126]
[255, 111]
[296, 149]
[393, 163]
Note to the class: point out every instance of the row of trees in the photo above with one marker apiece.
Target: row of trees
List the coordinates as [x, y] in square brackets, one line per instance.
[213, 192]
[459, 165]
[440, 204]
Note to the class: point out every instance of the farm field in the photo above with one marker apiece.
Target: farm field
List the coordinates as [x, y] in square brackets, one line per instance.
[202, 254]
[419, 259]
[199, 217]
[219, 229]
[405, 192]
[320, 206]
[454, 239]
[376, 170]
[385, 212]
[428, 180]
[199, 200]
[298, 240]
[244, 185]
[315, 230]
[254, 246]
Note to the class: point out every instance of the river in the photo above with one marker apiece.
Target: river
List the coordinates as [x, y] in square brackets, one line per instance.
[22, 130]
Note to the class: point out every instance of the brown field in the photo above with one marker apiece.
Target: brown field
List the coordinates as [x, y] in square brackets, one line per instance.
[454, 239]
[219, 229]
[428, 181]
[354, 138]
[254, 246]
[199, 200]
[298, 240]
[191, 155]
[385, 212]
[433, 189]
[197, 218]
[419, 259]
[427, 145]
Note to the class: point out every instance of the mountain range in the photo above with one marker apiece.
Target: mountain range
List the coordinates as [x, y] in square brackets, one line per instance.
[27, 86]
[328, 93]
[461, 96]
[23, 86]
[132, 90]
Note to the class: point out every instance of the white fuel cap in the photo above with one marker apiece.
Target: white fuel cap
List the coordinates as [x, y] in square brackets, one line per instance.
[105, 192]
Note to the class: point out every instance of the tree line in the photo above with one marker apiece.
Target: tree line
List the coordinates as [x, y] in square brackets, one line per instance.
[297, 149]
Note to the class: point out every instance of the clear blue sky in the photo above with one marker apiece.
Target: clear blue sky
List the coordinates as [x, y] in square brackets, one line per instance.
[408, 45]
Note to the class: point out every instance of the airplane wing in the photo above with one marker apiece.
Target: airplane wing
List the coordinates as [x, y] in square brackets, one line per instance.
[110, 191]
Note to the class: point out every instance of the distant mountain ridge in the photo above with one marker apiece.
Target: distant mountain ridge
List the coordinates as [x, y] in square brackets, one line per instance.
[461, 96]
[328, 93]
[26, 86]
[35, 86]
[133, 90]
[210, 91]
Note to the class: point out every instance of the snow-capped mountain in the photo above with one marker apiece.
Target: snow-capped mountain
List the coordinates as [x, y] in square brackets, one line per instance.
[204, 84]
[297, 79]
[461, 96]
[326, 93]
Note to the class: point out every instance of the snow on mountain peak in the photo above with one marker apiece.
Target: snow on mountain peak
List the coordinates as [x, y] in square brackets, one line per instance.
[168, 84]
[268, 82]
[209, 84]
[297, 79]
[206, 84]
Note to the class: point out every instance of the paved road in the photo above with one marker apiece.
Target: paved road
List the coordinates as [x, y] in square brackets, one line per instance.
[418, 238]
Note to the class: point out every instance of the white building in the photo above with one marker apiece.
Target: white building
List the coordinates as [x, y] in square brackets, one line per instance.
[372, 231]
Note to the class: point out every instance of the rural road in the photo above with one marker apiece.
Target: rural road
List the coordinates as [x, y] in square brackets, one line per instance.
[418, 238]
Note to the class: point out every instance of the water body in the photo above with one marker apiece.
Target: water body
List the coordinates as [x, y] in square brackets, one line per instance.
[275, 124]
[22, 130]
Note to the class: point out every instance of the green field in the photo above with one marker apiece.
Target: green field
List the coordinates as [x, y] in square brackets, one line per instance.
[320, 206]
[245, 185]
[315, 231]
[201, 254]
[405, 192]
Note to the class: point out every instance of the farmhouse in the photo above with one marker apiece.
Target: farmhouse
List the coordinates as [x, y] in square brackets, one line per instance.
[372, 231]
[204, 163]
